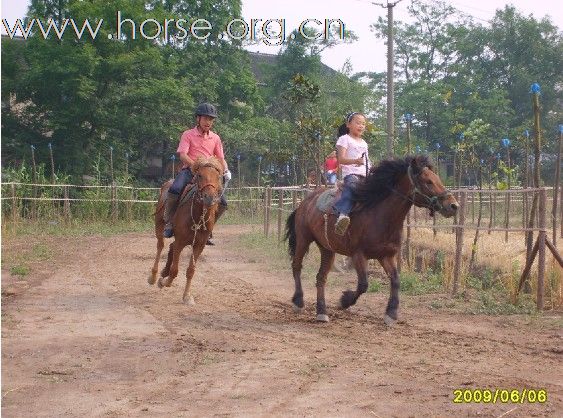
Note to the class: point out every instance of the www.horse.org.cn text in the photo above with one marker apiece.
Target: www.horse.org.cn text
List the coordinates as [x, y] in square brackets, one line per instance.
[268, 31]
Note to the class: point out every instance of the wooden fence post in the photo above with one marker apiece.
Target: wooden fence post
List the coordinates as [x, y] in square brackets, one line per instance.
[280, 210]
[541, 248]
[113, 202]
[66, 204]
[267, 208]
[264, 205]
[459, 242]
[14, 204]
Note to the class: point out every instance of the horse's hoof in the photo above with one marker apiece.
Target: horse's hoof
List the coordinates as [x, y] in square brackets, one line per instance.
[163, 282]
[297, 309]
[322, 318]
[389, 321]
[152, 279]
[189, 301]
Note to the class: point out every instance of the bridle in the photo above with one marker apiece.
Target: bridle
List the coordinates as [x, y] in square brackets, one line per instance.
[199, 190]
[435, 203]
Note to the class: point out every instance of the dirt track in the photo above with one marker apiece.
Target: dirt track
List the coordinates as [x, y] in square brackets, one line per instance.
[85, 335]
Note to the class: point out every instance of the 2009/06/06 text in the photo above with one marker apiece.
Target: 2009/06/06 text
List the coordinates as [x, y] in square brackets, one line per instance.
[270, 31]
[500, 396]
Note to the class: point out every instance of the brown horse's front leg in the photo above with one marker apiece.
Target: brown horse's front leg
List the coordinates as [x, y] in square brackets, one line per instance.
[389, 264]
[159, 247]
[196, 251]
[349, 297]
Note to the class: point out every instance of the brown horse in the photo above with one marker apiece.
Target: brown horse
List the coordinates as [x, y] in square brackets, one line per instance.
[193, 222]
[383, 199]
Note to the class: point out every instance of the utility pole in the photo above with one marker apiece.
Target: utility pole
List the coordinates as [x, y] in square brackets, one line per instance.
[390, 87]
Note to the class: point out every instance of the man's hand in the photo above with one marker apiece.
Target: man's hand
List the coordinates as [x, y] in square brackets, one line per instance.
[227, 175]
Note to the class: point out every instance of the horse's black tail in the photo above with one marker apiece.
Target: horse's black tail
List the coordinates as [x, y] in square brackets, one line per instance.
[290, 235]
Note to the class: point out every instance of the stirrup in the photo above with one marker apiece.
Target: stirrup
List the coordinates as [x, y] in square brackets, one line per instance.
[341, 225]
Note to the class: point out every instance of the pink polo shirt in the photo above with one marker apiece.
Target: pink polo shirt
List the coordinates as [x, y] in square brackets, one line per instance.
[197, 145]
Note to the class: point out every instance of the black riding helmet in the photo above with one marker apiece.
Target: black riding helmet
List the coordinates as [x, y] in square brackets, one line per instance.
[206, 109]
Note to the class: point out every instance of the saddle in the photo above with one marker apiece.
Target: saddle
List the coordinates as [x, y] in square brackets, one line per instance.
[327, 199]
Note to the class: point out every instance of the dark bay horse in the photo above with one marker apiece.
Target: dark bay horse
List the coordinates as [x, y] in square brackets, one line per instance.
[193, 222]
[383, 199]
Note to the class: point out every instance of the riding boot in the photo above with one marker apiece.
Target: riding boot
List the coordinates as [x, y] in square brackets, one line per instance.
[220, 211]
[169, 211]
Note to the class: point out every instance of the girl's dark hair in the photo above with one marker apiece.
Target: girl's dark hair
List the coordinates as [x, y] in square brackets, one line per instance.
[343, 129]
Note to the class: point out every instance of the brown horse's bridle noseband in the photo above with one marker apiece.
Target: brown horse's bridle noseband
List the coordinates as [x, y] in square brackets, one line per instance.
[435, 202]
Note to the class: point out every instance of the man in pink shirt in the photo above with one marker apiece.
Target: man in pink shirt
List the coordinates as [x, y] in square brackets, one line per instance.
[194, 143]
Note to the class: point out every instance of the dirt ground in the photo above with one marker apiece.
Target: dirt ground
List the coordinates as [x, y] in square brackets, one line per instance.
[83, 334]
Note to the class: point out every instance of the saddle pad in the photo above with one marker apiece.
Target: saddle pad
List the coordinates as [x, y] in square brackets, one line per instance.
[327, 199]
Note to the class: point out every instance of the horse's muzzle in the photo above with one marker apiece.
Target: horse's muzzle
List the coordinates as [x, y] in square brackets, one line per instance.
[449, 207]
[210, 199]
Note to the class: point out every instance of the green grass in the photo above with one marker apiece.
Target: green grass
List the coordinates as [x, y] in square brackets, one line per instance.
[20, 270]
[74, 228]
[492, 303]
[419, 284]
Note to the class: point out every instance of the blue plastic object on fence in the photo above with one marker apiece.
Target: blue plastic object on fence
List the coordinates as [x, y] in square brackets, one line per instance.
[561, 129]
[408, 117]
[527, 133]
[438, 146]
[50, 146]
[505, 142]
[461, 136]
[535, 88]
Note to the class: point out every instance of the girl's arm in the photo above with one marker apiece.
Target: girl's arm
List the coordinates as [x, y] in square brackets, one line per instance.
[341, 155]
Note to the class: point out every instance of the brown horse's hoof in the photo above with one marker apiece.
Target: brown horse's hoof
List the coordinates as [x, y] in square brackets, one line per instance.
[322, 318]
[389, 321]
[189, 301]
[297, 309]
[163, 282]
[152, 279]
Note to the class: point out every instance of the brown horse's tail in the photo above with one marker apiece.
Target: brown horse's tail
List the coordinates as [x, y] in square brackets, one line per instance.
[290, 234]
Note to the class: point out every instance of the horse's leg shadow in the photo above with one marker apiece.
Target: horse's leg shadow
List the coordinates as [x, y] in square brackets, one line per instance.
[349, 297]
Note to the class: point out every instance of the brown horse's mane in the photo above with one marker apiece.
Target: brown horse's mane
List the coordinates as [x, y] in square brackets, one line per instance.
[207, 162]
[383, 178]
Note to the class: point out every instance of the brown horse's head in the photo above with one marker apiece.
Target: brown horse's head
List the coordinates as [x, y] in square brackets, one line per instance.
[413, 178]
[428, 190]
[208, 179]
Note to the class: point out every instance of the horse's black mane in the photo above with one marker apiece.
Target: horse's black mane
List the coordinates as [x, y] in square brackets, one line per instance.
[382, 178]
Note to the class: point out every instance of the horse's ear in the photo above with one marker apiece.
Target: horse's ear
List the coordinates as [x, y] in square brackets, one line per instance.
[415, 165]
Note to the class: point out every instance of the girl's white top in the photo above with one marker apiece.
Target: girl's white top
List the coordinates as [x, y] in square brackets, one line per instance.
[354, 149]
